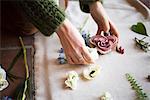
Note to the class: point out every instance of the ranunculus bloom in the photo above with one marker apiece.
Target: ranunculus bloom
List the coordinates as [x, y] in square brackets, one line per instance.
[104, 44]
[91, 72]
[72, 79]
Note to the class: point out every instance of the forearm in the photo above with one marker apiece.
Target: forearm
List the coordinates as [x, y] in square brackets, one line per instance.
[44, 14]
[84, 4]
[98, 12]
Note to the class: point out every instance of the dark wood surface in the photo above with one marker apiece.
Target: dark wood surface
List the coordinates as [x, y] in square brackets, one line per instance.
[9, 47]
[146, 2]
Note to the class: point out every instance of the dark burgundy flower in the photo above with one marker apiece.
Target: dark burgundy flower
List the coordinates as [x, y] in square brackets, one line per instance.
[104, 44]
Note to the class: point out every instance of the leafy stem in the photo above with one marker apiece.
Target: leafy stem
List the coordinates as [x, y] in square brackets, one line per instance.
[143, 45]
[138, 89]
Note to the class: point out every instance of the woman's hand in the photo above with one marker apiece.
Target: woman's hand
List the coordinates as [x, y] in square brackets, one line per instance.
[101, 18]
[73, 44]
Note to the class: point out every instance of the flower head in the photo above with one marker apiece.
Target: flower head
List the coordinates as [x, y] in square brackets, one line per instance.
[104, 43]
[91, 72]
[3, 82]
[72, 79]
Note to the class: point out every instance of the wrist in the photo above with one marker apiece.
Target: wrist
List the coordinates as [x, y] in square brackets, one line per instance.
[63, 28]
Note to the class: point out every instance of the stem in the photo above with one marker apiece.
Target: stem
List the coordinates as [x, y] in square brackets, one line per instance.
[14, 61]
[26, 66]
[85, 21]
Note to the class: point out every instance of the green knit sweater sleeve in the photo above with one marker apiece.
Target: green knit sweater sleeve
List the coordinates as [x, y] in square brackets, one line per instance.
[44, 14]
[84, 5]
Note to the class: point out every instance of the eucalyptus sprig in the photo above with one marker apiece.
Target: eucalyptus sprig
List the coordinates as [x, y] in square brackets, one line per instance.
[142, 44]
[138, 89]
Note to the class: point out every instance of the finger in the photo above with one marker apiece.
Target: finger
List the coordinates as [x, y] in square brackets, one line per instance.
[81, 61]
[114, 29]
[79, 58]
[76, 58]
[69, 59]
[99, 31]
[105, 26]
[86, 55]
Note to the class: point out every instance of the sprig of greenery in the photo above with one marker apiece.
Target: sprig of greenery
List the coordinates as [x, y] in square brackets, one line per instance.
[142, 44]
[8, 71]
[27, 70]
[138, 89]
[84, 23]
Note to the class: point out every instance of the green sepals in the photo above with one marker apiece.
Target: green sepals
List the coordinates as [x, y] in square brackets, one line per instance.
[139, 28]
[137, 88]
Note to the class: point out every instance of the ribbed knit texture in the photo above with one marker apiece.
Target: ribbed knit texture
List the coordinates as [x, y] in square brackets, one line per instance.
[84, 5]
[44, 14]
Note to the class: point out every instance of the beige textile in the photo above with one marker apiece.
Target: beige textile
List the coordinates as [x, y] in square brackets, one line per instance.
[50, 76]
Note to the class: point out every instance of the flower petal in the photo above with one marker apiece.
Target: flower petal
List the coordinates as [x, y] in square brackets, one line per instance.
[91, 72]
[3, 84]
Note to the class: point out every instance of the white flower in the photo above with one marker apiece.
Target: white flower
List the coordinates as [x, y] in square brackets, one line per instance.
[72, 80]
[93, 52]
[106, 96]
[91, 72]
[3, 82]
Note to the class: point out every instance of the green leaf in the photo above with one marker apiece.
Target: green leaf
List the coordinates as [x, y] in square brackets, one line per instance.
[139, 28]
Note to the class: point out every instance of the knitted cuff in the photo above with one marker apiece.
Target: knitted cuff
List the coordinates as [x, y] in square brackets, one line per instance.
[84, 5]
[44, 14]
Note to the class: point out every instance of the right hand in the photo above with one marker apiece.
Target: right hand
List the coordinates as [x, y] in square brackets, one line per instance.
[74, 46]
[101, 18]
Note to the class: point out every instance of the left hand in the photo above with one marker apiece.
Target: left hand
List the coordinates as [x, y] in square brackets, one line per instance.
[101, 18]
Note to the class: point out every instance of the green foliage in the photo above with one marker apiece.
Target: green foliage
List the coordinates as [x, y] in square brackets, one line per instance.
[139, 28]
[142, 44]
[138, 89]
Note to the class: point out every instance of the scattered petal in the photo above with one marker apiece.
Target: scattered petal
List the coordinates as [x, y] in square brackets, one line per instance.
[106, 96]
[120, 50]
[91, 72]
[72, 79]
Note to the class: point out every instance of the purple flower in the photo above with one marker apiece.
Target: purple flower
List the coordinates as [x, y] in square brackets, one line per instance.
[61, 58]
[6, 98]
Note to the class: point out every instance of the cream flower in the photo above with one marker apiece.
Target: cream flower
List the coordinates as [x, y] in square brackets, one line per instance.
[72, 79]
[91, 72]
[106, 96]
[93, 52]
[3, 82]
